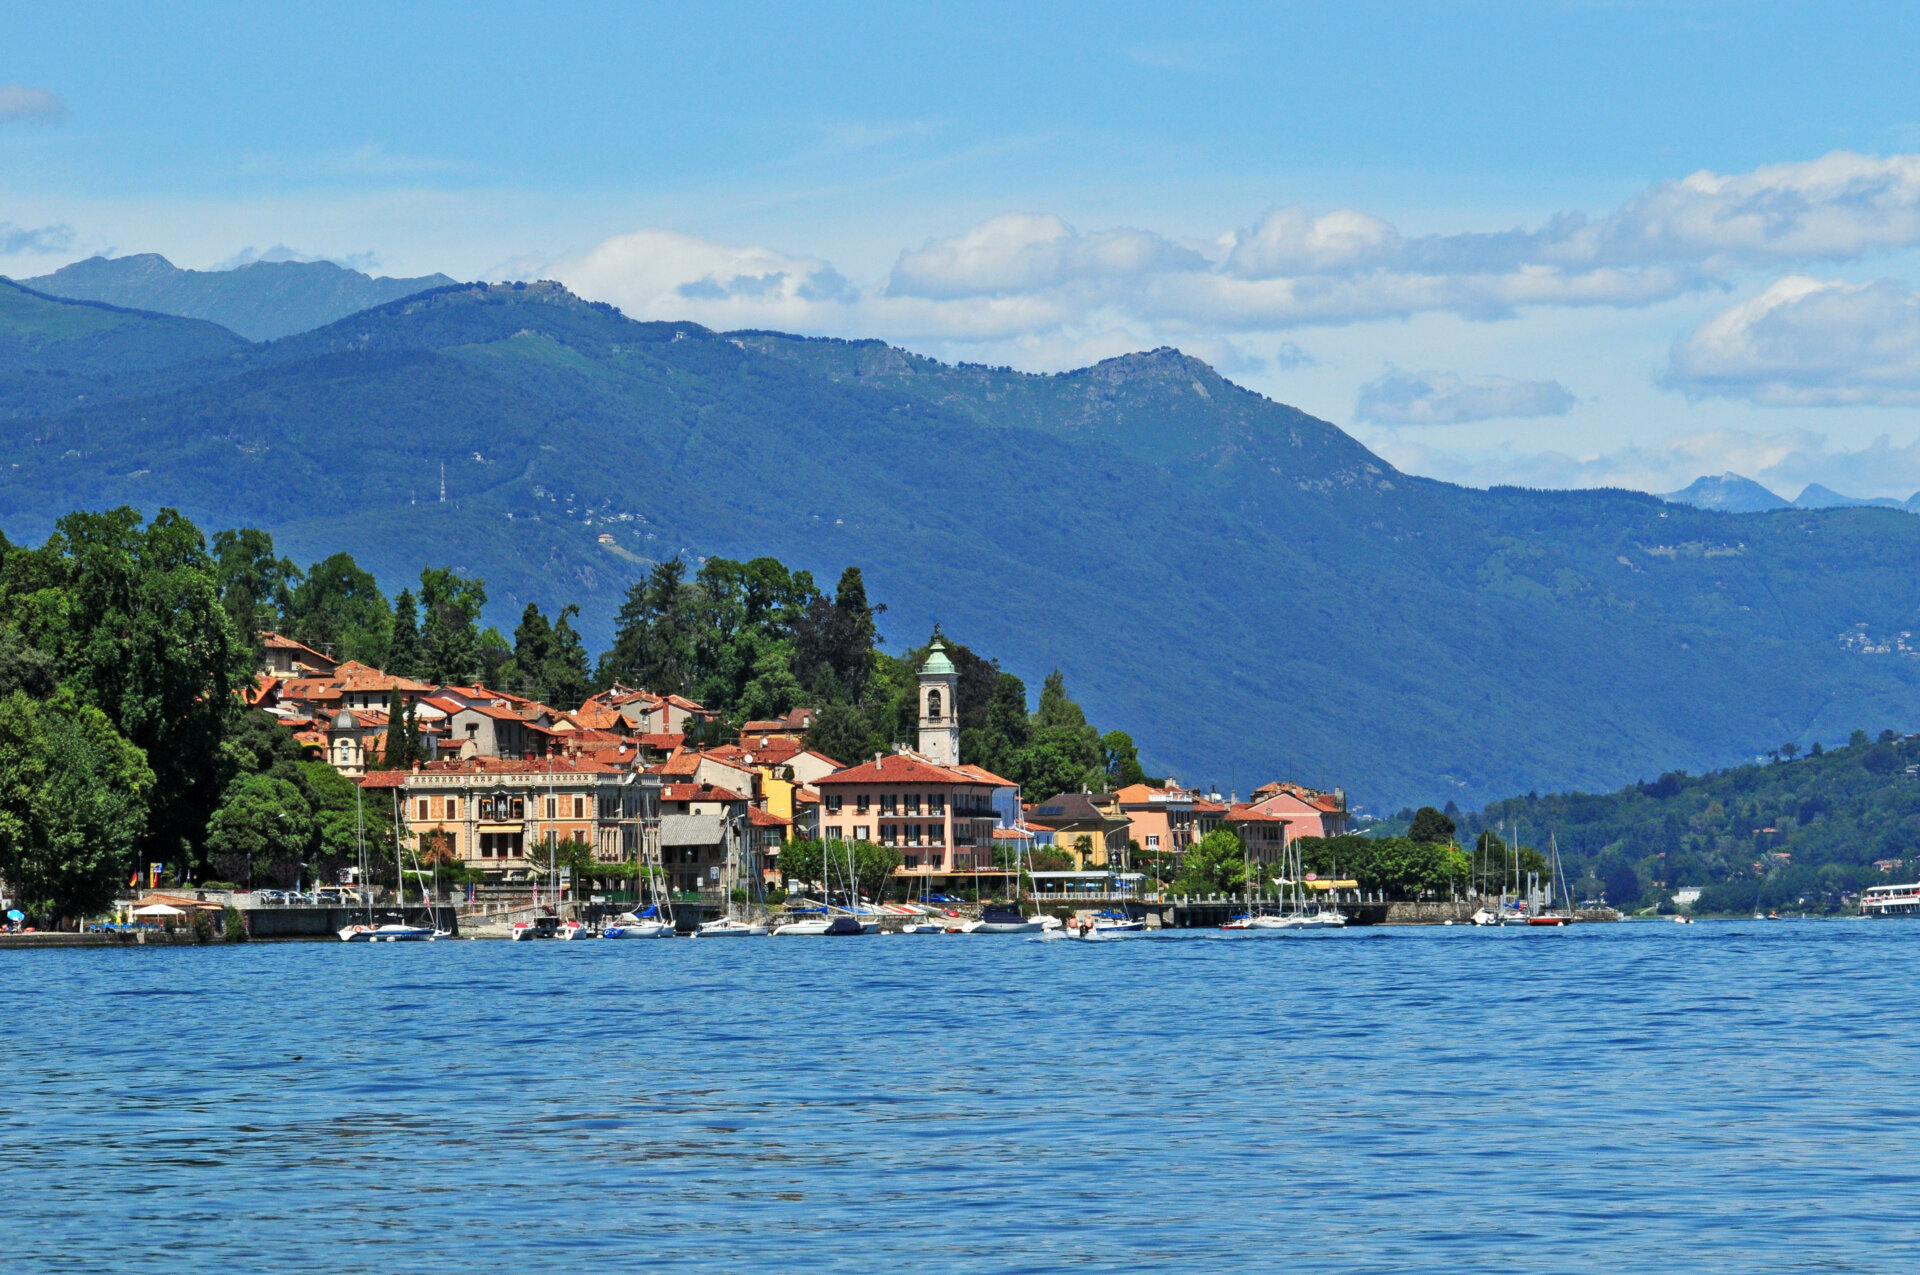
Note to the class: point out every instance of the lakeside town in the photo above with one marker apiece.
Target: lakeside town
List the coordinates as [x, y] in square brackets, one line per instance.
[515, 818]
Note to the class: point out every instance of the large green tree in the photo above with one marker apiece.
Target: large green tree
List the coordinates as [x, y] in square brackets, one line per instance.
[450, 644]
[263, 833]
[131, 615]
[338, 608]
[73, 804]
[1216, 864]
[255, 586]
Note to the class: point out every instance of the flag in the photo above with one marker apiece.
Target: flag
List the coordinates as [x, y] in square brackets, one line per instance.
[153, 870]
[133, 882]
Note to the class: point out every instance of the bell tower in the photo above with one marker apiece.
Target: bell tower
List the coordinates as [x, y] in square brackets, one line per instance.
[939, 706]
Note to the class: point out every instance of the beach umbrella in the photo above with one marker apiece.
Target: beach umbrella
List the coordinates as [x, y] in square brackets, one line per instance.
[15, 914]
[159, 909]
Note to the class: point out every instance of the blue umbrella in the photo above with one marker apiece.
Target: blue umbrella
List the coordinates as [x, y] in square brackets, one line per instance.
[15, 914]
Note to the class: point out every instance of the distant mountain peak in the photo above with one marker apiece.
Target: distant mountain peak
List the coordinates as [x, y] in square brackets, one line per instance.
[1729, 493]
[261, 300]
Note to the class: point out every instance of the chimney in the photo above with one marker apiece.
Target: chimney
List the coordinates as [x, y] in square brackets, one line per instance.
[876, 761]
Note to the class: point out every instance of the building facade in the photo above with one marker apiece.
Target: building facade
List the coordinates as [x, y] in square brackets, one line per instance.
[940, 820]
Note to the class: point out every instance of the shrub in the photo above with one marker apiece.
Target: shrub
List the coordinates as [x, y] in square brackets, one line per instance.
[236, 926]
[202, 927]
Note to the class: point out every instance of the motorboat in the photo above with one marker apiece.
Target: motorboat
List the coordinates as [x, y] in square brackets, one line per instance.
[1116, 923]
[541, 927]
[573, 930]
[811, 927]
[729, 927]
[923, 927]
[1003, 918]
[819, 923]
[390, 933]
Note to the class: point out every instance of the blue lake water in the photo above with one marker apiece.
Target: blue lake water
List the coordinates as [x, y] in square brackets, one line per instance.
[1732, 1096]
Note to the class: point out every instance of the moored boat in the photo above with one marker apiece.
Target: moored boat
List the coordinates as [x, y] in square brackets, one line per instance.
[392, 932]
[729, 928]
[1004, 918]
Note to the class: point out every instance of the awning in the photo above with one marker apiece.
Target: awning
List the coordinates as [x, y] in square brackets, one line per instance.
[158, 909]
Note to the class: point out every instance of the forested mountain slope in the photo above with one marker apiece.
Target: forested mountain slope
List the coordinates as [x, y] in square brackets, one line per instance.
[1244, 588]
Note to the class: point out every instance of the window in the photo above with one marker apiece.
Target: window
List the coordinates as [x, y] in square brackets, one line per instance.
[832, 832]
[887, 832]
[886, 803]
[423, 809]
[911, 861]
[833, 803]
[910, 804]
[551, 803]
[861, 803]
[933, 706]
[919, 834]
[519, 807]
[860, 832]
[1153, 841]
[937, 833]
[579, 807]
[453, 807]
[936, 803]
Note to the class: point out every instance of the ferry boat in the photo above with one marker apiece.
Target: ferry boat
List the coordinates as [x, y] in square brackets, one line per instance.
[1890, 900]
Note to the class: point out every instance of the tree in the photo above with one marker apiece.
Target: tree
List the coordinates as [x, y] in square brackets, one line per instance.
[403, 644]
[840, 731]
[255, 587]
[1122, 760]
[449, 627]
[132, 616]
[1216, 864]
[1623, 887]
[339, 609]
[834, 641]
[1430, 825]
[263, 832]
[73, 803]
[653, 635]
[403, 735]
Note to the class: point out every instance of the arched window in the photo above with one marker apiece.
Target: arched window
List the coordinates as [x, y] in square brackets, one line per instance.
[933, 706]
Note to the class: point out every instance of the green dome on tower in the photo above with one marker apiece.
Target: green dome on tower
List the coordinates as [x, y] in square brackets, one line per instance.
[938, 665]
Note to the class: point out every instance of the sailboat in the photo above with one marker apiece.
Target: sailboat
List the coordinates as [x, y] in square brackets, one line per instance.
[730, 926]
[823, 923]
[1555, 878]
[393, 931]
[1301, 915]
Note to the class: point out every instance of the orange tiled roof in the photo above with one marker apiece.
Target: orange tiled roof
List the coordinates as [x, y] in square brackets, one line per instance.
[698, 792]
[766, 819]
[897, 768]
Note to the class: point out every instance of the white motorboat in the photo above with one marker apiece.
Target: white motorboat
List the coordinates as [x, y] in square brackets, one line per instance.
[573, 930]
[812, 926]
[1004, 918]
[391, 933]
[729, 927]
[541, 927]
[923, 927]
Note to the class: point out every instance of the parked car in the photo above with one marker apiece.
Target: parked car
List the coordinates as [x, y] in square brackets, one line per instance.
[295, 896]
[271, 896]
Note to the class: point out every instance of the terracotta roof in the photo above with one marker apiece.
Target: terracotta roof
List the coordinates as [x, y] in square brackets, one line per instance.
[276, 642]
[1141, 794]
[897, 768]
[661, 741]
[1247, 814]
[531, 766]
[766, 819]
[1201, 806]
[593, 716]
[681, 763]
[698, 792]
[985, 775]
[386, 779]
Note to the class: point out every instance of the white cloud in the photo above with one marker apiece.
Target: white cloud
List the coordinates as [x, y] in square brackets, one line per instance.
[34, 106]
[1444, 398]
[41, 239]
[1785, 462]
[1032, 279]
[1807, 342]
[660, 274]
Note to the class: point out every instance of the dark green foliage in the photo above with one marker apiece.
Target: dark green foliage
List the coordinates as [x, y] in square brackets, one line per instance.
[132, 617]
[450, 639]
[255, 587]
[1771, 833]
[404, 658]
[338, 609]
[549, 659]
[1215, 864]
[1430, 825]
[1400, 867]
[73, 803]
[235, 924]
[1122, 760]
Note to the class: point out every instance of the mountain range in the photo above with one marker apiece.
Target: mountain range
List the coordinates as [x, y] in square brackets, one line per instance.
[260, 300]
[1246, 589]
[1730, 493]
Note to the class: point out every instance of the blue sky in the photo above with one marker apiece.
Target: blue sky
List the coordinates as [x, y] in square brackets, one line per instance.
[1561, 244]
